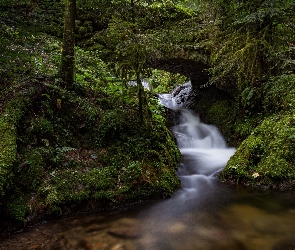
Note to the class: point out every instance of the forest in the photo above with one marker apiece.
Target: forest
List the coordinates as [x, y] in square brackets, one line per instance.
[77, 136]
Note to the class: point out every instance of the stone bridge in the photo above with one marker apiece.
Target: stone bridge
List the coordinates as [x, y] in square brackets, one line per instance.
[196, 71]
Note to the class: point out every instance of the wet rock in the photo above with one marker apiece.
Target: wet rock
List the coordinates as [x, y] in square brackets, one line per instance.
[83, 244]
[177, 228]
[95, 228]
[118, 247]
[125, 232]
[286, 244]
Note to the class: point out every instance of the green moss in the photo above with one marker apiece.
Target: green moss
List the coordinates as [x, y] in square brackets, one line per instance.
[280, 93]
[72, 186]
[116, 124]
[30, 173]
[41, 126]
[244, 126]
[265, 139]
[217, 107]
[17, 208]
[222, 114]
[265, 158]
[67, 156]
[7, 151]
[8, 131]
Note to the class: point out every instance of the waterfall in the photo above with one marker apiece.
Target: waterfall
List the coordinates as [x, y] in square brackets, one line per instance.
[179, 98]
[144, 83]
[204, 149]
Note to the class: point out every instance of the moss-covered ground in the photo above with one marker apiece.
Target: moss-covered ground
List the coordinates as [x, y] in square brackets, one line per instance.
[67, 152]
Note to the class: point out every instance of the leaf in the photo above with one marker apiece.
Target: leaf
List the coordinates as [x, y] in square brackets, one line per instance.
[255, 175]
[94, 156]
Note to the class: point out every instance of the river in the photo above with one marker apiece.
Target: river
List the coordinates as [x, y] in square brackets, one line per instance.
[204, 214]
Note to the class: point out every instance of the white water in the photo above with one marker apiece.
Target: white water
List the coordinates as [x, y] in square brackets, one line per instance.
[144, 83]
[179, 98]
[205, 214]
[203, 147]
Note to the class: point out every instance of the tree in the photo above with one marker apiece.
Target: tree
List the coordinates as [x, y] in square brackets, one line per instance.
[67, 66]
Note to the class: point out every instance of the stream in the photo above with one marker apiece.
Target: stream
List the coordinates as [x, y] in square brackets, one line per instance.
[204, 214]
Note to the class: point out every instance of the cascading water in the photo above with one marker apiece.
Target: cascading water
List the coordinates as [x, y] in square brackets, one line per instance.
[203, 144]
[204, 150]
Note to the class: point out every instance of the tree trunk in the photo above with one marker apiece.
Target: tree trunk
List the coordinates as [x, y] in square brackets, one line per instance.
[68, 53]
[140, 97]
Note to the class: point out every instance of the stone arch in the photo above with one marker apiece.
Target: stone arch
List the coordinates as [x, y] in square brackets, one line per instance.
[196, 71]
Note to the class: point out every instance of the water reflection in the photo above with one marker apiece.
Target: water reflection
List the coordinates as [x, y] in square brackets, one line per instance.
[225, 218]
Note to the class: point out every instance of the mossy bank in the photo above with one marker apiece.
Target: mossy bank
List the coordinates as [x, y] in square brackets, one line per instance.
[63, 152]
[265, 140]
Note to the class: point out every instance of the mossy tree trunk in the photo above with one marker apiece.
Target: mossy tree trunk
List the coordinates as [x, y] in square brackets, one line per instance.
[66, 72]
[140, 96]
[137, 66]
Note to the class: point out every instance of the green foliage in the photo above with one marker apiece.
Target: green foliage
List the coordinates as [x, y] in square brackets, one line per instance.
[215, 106]
[50, 196]
[87, 143]
[72, 186]
[62, 148]
[132, 174]
[17, 208]
[133, 44]
[42, 127]
[8, 149]
[32, 52]
[252, 59]
[115, 125]
[164, 82]
[222, 114]
[244, 126]
[280, 93]
[32, 171]
[8, 152]
[62, 163]
[90, 69]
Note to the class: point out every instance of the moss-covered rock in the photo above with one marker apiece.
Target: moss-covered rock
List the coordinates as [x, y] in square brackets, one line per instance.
[9, 119]
[217, 107]
[266, 157]
[7, 151]
[17, 102]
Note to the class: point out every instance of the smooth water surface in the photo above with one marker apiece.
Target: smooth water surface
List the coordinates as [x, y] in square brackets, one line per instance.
[215, 217]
